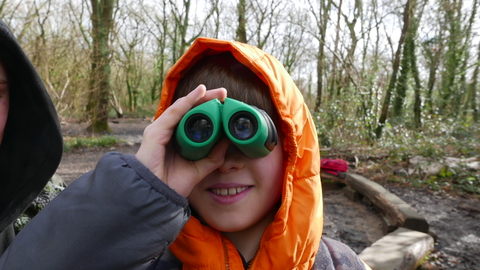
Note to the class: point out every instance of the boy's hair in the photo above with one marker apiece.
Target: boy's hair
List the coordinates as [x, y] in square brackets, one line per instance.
[223, 70]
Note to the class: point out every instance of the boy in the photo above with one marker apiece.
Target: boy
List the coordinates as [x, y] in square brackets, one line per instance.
[246, 213]
[31, 142]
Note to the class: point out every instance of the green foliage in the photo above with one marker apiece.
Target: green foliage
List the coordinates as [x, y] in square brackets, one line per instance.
[21, 222]
[438, 138]
[87, 142]
[460, 180]
[338, 126]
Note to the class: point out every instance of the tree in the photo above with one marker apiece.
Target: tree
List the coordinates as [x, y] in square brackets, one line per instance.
[321, 20]
[349, 66]
[473, 88]
[333, 77]
[130, 60]
[181, 16]
[453, 54]
[98, 100]
[463, 98]
[157, 26]
[433, 49]
[409, 69]
[266, 18]
[242, 22]
[393, 77]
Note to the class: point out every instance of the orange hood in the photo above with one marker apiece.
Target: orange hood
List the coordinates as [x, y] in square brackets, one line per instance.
[292, 239]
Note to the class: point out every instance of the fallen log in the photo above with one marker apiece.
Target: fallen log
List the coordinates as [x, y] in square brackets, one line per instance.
[397, 212]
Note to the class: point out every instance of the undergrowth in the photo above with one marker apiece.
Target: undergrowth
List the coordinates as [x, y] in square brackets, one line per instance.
[437, 139]
[71, 143]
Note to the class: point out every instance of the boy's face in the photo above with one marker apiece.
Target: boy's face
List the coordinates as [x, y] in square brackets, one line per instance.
[253, 186]
[4, 100]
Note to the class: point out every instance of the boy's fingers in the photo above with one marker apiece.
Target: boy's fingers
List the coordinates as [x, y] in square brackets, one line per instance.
[214, 159]
[218, 93]
[173, 114]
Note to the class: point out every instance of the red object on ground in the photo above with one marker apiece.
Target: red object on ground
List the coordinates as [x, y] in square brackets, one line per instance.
[333, 166]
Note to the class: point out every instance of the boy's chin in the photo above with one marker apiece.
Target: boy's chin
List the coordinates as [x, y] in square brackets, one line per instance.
[227, 227]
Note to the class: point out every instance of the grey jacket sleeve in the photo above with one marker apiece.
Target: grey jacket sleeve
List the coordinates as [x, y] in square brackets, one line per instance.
[118, 216]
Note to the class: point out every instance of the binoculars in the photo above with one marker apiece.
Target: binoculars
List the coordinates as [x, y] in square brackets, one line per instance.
[250, 129]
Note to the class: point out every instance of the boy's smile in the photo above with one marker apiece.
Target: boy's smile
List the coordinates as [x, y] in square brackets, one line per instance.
[241, 192]
[228, 193]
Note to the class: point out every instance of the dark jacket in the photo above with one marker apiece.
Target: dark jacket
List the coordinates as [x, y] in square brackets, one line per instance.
[119, 216]
[32, 145]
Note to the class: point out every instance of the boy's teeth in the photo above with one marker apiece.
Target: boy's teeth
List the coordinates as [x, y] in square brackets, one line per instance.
[228, 191]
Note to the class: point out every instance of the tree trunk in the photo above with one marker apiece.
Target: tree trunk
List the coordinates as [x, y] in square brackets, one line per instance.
[453, 56]
[473, 87]
[402, 82]
[409, 67]
[320, 68]
[322, 21]
[333, 76]
[462, 96]
[98, 105]
[417, 105]
[350, 59]
[393, 79]
[242, 22]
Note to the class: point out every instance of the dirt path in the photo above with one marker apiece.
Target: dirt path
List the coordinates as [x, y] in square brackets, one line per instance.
[455, 220]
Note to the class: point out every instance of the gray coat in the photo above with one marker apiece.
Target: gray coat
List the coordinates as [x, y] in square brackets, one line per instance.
[118, 216]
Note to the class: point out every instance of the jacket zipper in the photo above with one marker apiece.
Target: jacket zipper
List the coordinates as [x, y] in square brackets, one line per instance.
[227, 261]
[225, 253]
[250, 263]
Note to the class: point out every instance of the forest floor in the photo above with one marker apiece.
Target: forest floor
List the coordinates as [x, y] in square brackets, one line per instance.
[454, 218]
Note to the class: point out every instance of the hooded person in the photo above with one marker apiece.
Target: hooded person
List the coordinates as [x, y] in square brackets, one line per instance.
[228, 210]
[31, 142]
[293, 238]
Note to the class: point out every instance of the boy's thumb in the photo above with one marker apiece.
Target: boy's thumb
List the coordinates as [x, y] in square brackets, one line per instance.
[215, 158]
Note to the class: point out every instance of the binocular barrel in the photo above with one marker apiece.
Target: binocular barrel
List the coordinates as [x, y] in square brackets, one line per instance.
[249, 128]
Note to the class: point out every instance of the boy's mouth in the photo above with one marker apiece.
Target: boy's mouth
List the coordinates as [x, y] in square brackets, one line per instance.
[228, 191]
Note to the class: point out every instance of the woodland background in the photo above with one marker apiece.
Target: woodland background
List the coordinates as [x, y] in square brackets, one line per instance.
[387, 78]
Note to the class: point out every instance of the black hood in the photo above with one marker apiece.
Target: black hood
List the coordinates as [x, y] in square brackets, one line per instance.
[32, 145]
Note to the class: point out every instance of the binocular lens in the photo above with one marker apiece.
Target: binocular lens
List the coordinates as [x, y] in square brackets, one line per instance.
[243, 126]
[199, 128]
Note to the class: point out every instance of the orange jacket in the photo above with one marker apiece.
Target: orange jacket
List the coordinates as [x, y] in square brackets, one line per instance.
[292, 239]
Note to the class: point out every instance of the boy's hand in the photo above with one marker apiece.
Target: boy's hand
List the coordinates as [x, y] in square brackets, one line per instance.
[161, 158]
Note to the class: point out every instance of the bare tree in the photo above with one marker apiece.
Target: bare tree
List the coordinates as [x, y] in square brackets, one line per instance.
[181, 15]
[321, 19]
[290, 46]
[98, 100]
[242, 22]
[348, 67]
[333, 75]
[129, 38]
[266, 17]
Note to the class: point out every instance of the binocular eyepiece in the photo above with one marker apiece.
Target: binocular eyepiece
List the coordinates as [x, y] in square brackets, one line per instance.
[249, 128]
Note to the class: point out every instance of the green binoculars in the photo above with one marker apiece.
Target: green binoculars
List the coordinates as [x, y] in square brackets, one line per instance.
[250, 129]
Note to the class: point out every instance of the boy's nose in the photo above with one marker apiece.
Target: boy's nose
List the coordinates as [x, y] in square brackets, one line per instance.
[234, 160]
